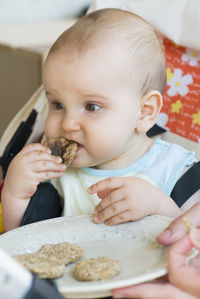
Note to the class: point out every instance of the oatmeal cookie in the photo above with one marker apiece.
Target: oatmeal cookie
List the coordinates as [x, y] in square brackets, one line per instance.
[96, 268]
[41, 265]
[63, 148]
[50, 260]
[64, 251]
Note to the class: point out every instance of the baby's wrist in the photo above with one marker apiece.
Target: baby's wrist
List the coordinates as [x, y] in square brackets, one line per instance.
[169, 208]
[8, 196]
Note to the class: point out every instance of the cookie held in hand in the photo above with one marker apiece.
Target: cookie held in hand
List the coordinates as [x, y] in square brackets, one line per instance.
[63, 148]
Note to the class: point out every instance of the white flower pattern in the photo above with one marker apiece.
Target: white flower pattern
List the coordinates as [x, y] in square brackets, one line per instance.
[178, 83]
[162, 120]
[191, 56]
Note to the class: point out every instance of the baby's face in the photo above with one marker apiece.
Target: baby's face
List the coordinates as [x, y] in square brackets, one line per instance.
[92, 102]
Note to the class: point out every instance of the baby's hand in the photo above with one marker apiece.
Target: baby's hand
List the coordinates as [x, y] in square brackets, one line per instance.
[123, 199]
[129, 199]
[32, 165]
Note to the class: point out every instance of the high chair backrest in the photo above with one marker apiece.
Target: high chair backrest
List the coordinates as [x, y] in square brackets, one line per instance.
[26, 127]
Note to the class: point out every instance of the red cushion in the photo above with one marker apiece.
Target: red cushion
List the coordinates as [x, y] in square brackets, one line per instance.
[181, 108]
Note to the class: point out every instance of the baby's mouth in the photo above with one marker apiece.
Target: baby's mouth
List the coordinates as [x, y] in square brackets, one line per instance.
[79, 146]
[62, 147]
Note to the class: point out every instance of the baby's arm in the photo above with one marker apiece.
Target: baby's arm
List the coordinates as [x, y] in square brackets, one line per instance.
[32, 165]
[129, 199]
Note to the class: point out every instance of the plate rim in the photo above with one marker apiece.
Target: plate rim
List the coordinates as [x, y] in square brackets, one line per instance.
[95, 289]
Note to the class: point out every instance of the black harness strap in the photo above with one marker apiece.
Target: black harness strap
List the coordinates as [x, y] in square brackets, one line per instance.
[187, 185]
[44, 204]
[155, 130]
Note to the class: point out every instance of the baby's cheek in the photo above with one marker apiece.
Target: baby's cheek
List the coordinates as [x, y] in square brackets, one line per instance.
[104, 149]
[47, 128]
[51, 128]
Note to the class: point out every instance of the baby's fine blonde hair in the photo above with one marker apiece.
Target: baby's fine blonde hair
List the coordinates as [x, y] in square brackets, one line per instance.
[146, 61]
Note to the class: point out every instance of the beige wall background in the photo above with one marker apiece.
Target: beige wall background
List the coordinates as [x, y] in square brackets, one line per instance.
[27, 30]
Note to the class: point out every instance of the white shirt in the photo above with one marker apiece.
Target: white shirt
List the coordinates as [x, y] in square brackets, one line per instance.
[162, 166]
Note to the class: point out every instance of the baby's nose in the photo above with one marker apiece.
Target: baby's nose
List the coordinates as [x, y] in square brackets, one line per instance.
[71, 123]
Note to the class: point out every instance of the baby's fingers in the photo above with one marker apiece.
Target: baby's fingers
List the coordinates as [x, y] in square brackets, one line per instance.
[47, 166]
[120, 218]
[113, 197]
[35, 147]
[103, 214]
[47, 175]
[107, 185]
[41, 156]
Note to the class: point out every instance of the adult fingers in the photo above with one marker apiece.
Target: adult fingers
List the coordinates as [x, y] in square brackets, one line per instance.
[177, 254]
[182, 273]
[152, 291]
[194, 235]
[176, 230]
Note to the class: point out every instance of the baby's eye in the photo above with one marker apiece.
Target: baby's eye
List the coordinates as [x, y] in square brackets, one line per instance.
[92, 107]
[57, 105]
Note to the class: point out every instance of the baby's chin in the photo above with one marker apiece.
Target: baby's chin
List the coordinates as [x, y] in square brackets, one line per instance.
[78, 164]
[85, 159]
[81, 164]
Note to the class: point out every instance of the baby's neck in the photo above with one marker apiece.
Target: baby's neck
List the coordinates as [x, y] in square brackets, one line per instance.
[132, 154]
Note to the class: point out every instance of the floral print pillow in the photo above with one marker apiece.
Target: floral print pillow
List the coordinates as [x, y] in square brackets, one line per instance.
[180, 113]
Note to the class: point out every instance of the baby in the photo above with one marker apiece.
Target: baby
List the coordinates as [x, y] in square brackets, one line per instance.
[103, 79]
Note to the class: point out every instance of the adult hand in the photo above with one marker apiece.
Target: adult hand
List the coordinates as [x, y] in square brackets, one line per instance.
[183, 277]
[176, 229]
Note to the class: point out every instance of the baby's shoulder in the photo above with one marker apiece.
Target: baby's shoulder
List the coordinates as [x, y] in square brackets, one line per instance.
[167, 151]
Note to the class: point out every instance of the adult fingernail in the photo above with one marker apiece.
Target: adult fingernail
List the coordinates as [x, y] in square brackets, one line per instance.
[165, 235]
[96, 219]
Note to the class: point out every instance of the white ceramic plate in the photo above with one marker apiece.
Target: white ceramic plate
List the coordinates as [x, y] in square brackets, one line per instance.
[133, 244]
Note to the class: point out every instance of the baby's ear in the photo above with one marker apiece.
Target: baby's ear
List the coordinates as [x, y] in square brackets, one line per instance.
[151, 104]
